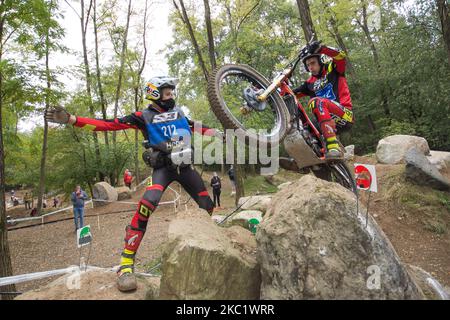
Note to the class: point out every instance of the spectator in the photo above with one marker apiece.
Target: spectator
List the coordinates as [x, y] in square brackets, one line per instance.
[55, 202]
[217, 186]
[27, 201]
[127, 178]
[78, 197]
[33, 212]
[44, 201]
[231, 176]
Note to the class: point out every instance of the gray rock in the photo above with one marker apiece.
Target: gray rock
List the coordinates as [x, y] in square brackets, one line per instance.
[204, 261]
[313, 245]
[420, 171]
[260, 203]
[284, 185]
[242, 218]
[392, 149]
[92, 285]
[349, 152]
[440, 159]
[104, 191]
[123, 193]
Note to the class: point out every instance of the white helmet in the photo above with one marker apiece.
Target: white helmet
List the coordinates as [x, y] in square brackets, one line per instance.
[153, 87]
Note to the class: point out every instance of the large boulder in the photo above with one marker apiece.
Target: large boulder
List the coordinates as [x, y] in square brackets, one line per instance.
[392, 149]
[104, 191]
[92, 285]
[349, 152]
[204, 261]
[123, 193]
[260, 203]
[420, 171]
[440, 159]
[313, 245]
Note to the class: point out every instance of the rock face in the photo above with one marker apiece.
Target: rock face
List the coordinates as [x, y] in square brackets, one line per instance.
[204, 261]
[392, 149]
[123, 193]
[260, 203]
[349, 152]
[242, 218]
[420, 171]
[440, 159]
[104, 191]
[312, 248]
[92, 285]
[284, 185]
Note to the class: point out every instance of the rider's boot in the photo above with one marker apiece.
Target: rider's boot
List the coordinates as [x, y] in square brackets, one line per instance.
[333, 149]
[328, 128]
[127, 279]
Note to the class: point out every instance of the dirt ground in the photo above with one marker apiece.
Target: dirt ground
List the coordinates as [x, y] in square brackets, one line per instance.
[53, 246]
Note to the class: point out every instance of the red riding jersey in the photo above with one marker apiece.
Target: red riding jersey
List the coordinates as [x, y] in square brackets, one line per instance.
[331, 83]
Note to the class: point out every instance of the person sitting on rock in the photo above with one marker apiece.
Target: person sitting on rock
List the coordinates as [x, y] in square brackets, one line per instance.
[167, 134]
[330, 96]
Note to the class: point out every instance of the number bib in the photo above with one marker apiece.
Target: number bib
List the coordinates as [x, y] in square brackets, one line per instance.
[168, 130]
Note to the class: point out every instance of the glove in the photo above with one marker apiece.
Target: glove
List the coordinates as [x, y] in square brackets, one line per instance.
[59, 115]
[314, 47]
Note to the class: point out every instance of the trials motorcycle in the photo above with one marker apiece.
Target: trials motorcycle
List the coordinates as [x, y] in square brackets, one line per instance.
[243, 99]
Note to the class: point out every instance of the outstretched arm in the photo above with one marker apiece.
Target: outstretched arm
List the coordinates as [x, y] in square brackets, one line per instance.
[60, 115]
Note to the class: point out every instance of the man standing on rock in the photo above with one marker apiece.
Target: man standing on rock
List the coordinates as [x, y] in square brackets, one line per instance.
[78, 197]
[167, 134]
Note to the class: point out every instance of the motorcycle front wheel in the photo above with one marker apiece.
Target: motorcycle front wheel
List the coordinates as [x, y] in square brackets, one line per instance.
[267, 123]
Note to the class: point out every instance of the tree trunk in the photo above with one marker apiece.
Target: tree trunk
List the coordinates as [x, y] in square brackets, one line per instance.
[121, 68]
[212, 53]
[88, 84]
[306, 20]
[41, 188]
[138, 97]
[443, 8]
[5, 259]
[99, 77]
[187, 22]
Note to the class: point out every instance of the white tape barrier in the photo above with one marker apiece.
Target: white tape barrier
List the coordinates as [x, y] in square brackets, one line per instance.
[40, 275]
[45, 215]
[177, 198]
[46, 274]
[438, 288]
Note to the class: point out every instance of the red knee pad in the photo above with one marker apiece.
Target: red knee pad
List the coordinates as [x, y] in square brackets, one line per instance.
[133, 238]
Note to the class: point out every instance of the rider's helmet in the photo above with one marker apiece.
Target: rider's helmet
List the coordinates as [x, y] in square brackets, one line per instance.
[310, 55]
[153, 91]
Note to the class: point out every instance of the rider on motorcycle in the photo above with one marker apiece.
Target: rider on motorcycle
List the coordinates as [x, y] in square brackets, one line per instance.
[330, 97]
